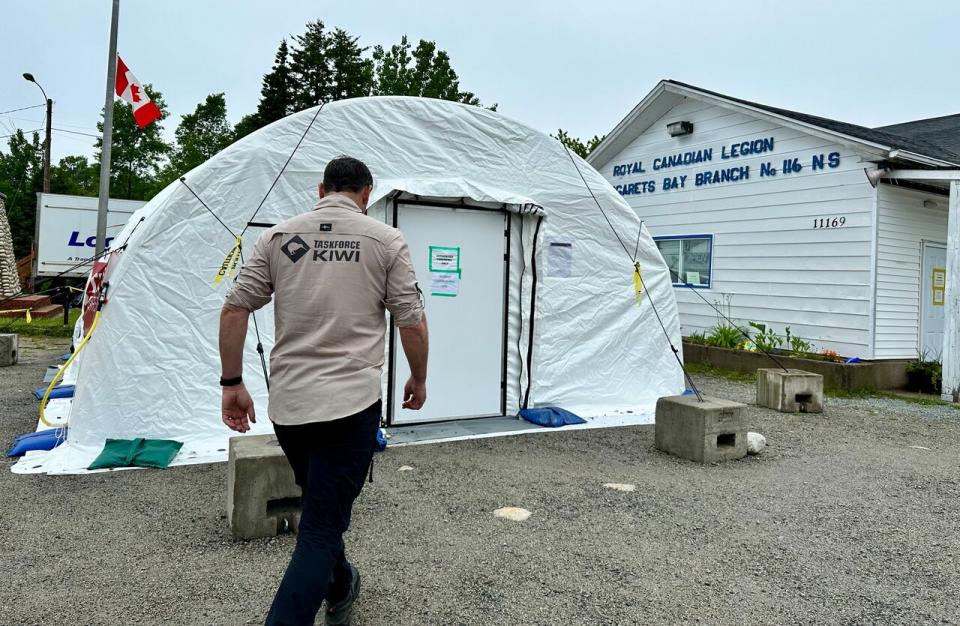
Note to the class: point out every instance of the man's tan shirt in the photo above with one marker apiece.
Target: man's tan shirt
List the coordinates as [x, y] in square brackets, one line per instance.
[332, 272]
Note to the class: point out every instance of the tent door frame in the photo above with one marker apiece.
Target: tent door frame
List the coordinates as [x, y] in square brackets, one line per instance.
[392, 347]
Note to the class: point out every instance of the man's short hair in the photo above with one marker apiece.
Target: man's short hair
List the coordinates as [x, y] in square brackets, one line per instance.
[346, 174]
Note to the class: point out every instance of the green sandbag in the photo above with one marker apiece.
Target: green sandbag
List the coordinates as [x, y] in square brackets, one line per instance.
[137, 452]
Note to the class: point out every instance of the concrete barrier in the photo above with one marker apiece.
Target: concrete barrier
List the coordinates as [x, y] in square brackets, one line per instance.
[263, 498]
[790, 391]
[9, 349]
[707, 432]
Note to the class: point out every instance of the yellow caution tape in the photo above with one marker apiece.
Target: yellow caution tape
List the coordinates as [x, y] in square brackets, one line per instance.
[229, 265]
[26, 311]
[637, 282]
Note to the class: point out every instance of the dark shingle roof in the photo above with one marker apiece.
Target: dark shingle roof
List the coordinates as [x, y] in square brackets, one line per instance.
[942, 131]
[915, 141]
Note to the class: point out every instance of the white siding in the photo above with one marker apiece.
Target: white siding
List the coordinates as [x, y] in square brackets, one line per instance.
[767, 255]
[903, 224]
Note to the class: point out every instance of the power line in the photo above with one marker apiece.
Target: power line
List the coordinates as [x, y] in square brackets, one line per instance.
[75, 132]
[23, 108]
[25, 132]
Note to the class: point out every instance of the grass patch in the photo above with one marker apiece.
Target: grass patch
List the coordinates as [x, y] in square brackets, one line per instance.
[737, 376]
[916, 399]
[46, 327]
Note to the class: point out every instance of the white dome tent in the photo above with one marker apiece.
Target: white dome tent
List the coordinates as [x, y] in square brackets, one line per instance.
[506, 232]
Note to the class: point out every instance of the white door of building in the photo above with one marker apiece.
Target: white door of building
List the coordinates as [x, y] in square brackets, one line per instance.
[932, 281]
[459, 256]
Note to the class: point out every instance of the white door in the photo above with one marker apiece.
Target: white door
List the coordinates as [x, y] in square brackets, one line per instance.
[932, 281]
[458, 255]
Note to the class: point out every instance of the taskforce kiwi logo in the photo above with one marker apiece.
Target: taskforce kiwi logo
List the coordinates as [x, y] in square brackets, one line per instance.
[295, 249]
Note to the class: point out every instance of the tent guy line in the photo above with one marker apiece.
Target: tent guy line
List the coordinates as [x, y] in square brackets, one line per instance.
[636, 264]
[283, 169]
[742, 332]
[239, 240]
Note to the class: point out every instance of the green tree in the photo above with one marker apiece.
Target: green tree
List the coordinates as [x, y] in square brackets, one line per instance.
[21, 176]
[75, 176]
[351, 75]
[310, 67]
[422, 71]
[137, 155]
[200, 135]
[581, 148]
[276, 95]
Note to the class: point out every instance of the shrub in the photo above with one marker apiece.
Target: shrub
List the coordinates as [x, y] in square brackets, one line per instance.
[725, 336]
[925, 376]
[766, 340]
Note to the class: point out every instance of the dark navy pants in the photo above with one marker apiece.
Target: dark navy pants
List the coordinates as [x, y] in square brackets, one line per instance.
[330, 461]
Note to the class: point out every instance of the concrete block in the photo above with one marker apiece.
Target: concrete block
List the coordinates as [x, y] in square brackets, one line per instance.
[263, 498]
[791, 391]
[9, 349]
[707, 432]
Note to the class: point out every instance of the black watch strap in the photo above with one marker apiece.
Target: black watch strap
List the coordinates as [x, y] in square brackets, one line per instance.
[230, 382]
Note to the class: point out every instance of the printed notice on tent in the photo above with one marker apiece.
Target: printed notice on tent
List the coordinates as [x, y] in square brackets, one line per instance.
[445, 284]
[693, 278]
[559, 256]
[444, 259]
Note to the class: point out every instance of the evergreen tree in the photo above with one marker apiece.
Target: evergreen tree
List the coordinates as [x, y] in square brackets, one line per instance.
[310, 67]
[137, 155]
[351, 74]
[200, 135]
[276, 95]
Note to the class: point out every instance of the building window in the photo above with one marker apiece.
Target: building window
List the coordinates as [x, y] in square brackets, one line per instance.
[689, 257]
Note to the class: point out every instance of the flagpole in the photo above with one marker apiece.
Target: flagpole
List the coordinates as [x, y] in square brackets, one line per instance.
[107, 133]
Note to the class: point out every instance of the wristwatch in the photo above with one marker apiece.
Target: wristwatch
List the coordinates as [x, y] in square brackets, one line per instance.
[231, 382]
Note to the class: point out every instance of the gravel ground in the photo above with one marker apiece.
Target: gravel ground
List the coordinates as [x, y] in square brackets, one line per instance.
[840, 521]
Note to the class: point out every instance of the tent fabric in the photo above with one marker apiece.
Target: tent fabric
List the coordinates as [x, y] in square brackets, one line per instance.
[150, 369]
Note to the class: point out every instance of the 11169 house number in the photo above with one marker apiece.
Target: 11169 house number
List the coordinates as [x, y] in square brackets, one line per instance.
[829, 222]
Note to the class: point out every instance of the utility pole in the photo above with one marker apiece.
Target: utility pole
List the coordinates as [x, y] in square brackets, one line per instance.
[107, 132]
[46, 142]
[46, 150]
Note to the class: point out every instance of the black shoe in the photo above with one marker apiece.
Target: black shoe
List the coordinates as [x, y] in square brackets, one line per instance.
[340, 613]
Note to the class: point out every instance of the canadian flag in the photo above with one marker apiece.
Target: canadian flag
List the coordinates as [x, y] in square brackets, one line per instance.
[130, 90]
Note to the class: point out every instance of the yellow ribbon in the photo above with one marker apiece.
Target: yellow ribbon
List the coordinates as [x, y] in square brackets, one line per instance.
[27, 311]
[229, 265]
[637, 282]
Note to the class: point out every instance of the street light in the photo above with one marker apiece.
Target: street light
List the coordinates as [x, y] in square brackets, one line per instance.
[46, 144]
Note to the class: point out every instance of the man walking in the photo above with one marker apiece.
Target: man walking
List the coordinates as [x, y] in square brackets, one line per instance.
[332, 272]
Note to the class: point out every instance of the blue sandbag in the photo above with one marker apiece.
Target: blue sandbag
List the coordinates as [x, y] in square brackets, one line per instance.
[381, 440]
[63, 391]
[66, 357]
[551, 416]
[40, 440]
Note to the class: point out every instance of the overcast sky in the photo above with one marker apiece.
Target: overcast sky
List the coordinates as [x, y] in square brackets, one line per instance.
[580, 66]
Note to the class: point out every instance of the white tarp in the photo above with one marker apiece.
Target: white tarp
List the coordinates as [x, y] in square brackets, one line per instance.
[151, 368]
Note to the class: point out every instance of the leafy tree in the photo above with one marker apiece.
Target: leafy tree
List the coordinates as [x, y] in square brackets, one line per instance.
[581, 148]
[200, 135]
[21, 176]
[424, 71]
[75, 176]
[276, 95]
[137, 154]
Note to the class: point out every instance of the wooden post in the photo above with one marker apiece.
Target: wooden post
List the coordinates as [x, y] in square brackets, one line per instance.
[951, 327]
